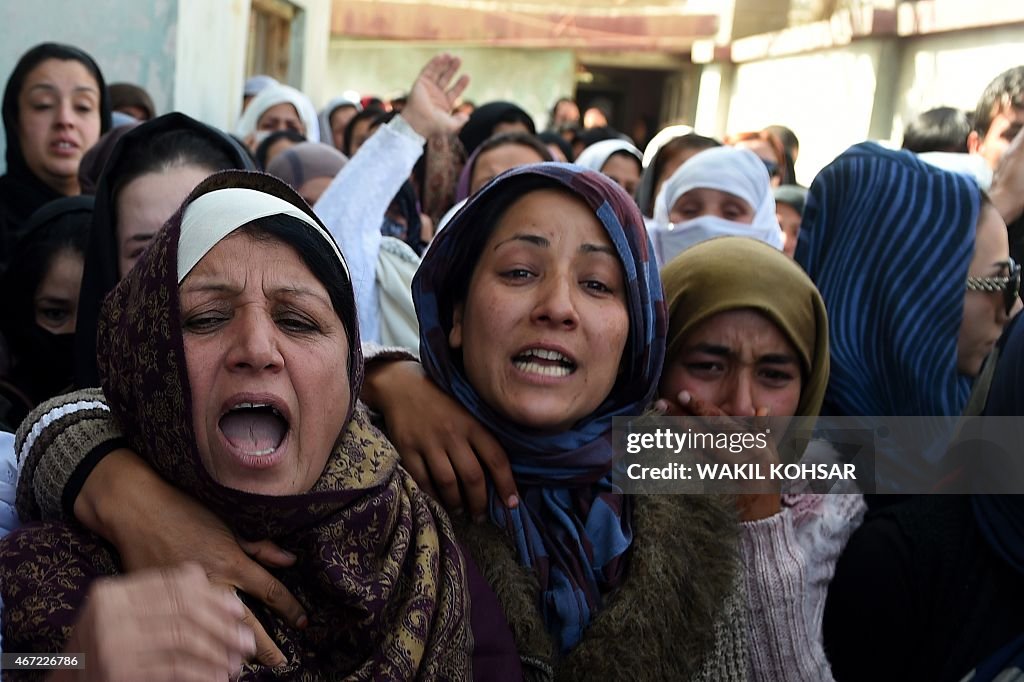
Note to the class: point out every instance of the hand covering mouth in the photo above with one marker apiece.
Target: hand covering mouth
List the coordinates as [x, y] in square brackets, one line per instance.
[254, 428]
[545, 362]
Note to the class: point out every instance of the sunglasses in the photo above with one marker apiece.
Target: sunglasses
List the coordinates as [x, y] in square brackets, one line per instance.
[773, 168]
[1009, 285]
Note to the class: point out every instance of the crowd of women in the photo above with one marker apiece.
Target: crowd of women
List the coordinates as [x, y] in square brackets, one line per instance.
[331, 397]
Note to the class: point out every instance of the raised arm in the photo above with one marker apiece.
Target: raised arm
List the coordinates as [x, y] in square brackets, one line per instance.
[353, 205]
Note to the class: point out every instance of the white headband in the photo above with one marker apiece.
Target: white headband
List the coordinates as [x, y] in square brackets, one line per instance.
[217, 214]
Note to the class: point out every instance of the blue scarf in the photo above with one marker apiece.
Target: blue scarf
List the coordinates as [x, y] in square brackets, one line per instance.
[888, 239]
[570, 527]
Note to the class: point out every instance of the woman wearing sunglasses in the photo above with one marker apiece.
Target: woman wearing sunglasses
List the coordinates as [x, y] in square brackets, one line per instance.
[993, 292]
[913, 264]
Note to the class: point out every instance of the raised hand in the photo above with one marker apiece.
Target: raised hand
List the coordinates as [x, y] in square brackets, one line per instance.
[433, 95]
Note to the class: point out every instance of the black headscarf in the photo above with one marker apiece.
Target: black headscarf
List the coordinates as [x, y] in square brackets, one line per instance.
[483, 120]
[42, 361]
[101, 260]
[21, 192]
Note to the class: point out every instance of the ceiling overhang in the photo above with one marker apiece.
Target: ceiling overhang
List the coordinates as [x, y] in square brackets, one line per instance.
[500, 24]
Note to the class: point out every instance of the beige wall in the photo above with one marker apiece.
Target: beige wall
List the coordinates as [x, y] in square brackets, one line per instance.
[952, 70]
[531, 78]
[868, 89]
[212, 38]
[313, 38]
[208, 82]
[827, 97]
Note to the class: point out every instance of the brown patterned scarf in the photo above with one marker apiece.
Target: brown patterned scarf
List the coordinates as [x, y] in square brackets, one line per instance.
[379, 571]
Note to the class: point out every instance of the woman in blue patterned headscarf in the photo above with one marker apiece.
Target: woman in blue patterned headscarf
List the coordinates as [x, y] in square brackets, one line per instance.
[542, 313]
[890, 243]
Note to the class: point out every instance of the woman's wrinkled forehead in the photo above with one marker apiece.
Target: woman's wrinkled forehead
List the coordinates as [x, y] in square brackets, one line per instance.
[214, 215]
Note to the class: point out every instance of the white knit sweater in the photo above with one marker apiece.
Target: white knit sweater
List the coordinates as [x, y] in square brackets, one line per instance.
[789, 560]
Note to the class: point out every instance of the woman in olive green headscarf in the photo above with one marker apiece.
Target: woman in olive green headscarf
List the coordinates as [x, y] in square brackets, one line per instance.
[748, 336]
[734, 277]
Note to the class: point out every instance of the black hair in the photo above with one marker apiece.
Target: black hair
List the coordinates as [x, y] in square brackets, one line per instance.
[166, 150]
[622, 153]
[131, 95]
[687, 142]
[263, 150]
[1006, 90]
[60, 225]
[589, 136]
[503, 139]
[943, 129]
[485, 119]
[549, 138]
[383, 118]
[370, 113]
[29, 61]
[344, 104]
[554, 109]
[787, 137]
[321, 262]
[516, 137]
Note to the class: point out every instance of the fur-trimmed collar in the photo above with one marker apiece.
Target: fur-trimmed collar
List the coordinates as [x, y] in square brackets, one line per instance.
[659, 625]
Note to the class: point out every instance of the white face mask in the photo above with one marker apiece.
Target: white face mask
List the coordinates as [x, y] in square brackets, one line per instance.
[680, 236]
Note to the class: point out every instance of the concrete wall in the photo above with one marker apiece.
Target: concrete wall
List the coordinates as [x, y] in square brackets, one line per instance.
[532, 78]
[311, 40]
[188, 54]
[208, 82]
[868, 89]
[952, 69]
[827, 97]
[131, 41]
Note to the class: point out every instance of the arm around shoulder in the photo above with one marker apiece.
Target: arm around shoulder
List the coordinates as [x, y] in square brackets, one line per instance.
[57, 447]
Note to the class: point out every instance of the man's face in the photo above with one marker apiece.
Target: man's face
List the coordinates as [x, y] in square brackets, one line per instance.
[1005, 125]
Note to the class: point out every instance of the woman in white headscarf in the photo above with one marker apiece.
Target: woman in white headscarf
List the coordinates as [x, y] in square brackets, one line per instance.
[719, 192]
[277, 107]
[618, 159]
[336, 115]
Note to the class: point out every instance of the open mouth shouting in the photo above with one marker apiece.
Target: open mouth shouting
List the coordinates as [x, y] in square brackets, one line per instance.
[255, 430]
